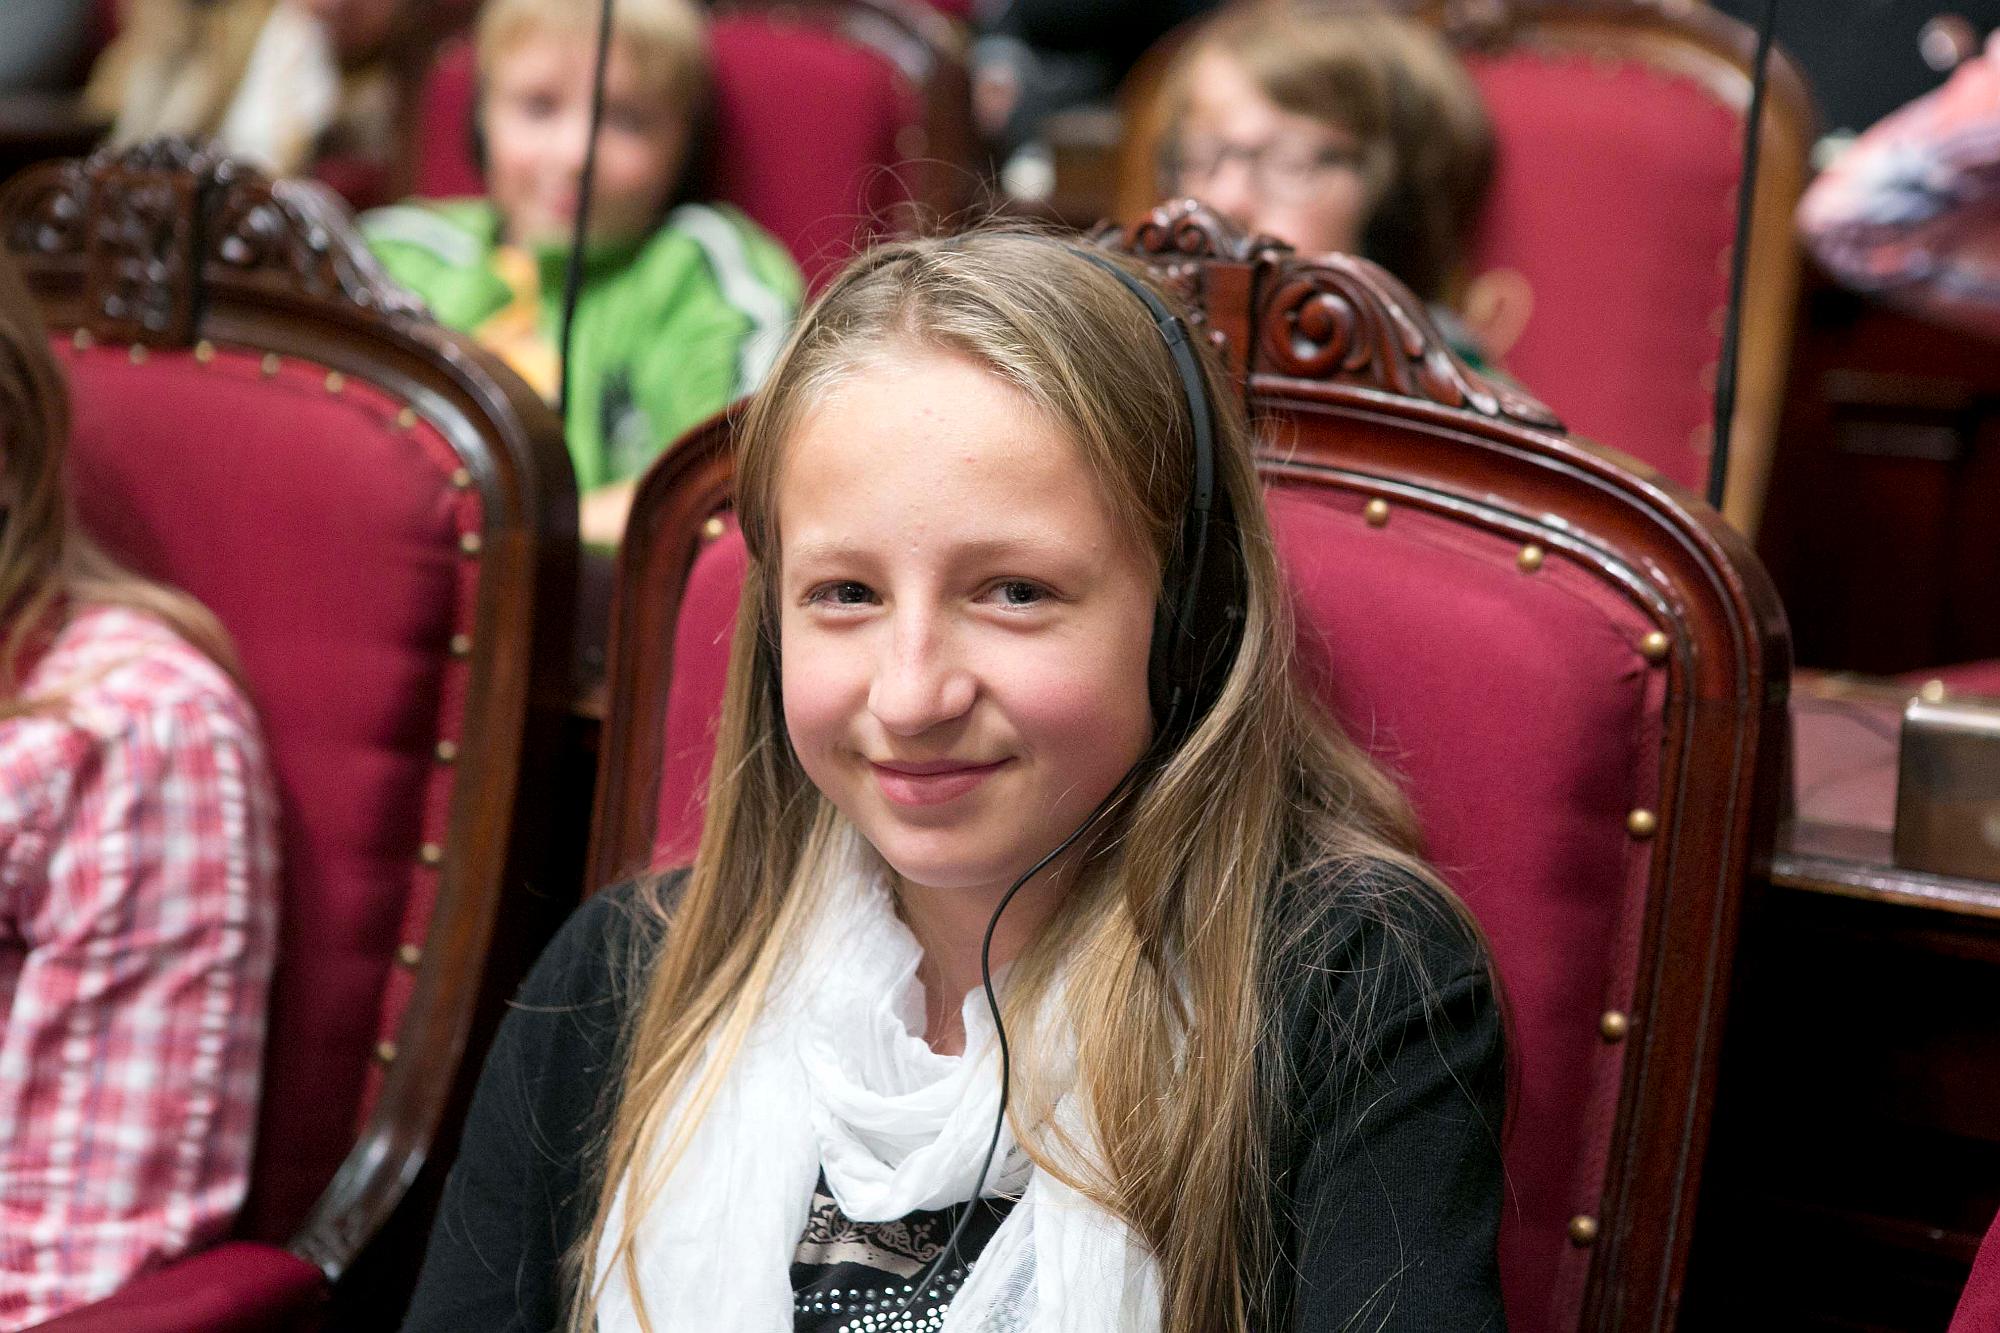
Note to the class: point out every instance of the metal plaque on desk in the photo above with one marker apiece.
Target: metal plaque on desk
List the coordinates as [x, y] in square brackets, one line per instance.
[1948, 788]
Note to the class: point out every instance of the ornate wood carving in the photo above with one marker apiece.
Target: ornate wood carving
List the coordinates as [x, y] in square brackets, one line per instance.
[1332, 318]
[1343, 319]
[152, 226]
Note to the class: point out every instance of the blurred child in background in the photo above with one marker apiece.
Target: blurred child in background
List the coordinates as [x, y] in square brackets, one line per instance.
[1343, 129]
[684, 304]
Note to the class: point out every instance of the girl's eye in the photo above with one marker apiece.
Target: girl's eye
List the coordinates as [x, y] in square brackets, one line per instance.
[846, 592]
[1019, 592]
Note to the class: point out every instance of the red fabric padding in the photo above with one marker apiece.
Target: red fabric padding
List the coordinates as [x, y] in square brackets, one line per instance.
[702, 635]
[1979, 1308]
[1526, 726]
[809, 126]
[1615, 198]
[446, 166]
[238, 1287]
[326, 538]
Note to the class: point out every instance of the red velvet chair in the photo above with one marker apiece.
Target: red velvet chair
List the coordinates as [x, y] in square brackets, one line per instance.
[385, 521]
[1979, 1308]
[835, 121]
[1621, 137]
[1574, 669]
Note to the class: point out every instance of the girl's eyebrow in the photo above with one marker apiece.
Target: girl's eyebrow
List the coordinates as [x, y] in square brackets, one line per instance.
[1048, 546]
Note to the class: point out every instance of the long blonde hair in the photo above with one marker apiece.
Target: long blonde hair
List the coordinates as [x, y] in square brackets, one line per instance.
[48, 568]
[1167, 938]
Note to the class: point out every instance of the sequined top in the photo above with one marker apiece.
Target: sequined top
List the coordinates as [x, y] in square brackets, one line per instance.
[876, 1277]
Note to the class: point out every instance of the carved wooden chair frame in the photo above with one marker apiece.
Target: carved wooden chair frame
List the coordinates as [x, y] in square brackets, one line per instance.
[1330, 337]
[1690, 40]
[168, 245]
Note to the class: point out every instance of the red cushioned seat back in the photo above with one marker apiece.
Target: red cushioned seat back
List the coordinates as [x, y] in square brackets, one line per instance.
[810, 126]
[447, 166]
[1567, 668]
[1615, 198]
[326, 538]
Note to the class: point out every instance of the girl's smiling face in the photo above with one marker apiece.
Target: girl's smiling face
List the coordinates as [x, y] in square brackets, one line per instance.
[964, 623]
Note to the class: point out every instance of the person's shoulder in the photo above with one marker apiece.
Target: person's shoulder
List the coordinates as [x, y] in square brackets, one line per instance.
[750, 268]
[1363, 950]
[450, 233]
[604, 951]
[118, 669]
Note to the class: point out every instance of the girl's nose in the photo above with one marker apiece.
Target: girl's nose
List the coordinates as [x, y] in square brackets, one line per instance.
[919, 683]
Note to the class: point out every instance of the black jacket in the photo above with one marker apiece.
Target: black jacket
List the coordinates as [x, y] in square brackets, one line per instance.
[1386, 1152]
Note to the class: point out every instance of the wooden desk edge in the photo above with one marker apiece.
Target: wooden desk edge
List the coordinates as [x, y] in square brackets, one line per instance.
[1856, 863]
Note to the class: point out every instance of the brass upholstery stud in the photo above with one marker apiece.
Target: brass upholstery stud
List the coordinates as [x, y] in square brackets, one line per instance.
[1653, 647]
[1582, 1230]
[447, 751]
[204, 351]
[468, 542]
[461, 479]
[137, 354]
[1530, 558]
[1377, 512]
[714, 528]
[430, 854]
[335, 381]
[270, 364]
[409, 955]
[1642, 823]
[385, 1051]
[406, 419]
[1613, 1026]
[81, 340]
[1932, 691]
[461, 645]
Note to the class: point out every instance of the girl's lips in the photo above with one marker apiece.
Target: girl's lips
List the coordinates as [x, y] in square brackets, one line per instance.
[930, 783]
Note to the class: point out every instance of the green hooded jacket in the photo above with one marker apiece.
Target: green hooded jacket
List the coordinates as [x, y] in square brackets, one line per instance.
[669, 329]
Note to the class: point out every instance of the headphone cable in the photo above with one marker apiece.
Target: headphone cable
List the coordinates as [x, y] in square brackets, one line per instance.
[573, 272]
[1739, 261]
[935, 1269]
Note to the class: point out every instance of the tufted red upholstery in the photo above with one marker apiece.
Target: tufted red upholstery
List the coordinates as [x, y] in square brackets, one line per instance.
[808, 125]
[1418, 635]
[1615, 198]
[326, 538]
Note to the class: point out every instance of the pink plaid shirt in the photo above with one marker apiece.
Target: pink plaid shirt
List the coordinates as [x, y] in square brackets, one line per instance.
[138, 919]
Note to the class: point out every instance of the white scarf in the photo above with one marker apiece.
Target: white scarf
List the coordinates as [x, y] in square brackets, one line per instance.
[835, 1076]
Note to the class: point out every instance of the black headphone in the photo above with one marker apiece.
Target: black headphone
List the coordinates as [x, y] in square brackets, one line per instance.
[1200, 619]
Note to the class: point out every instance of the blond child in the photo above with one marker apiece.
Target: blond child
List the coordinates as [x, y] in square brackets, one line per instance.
[684, 304]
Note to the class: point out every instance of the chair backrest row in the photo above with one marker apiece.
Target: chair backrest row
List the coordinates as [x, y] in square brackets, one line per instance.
[1571, 667]
[384, 520]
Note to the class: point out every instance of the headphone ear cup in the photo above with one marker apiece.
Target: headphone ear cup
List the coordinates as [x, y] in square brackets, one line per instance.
[1192, 654]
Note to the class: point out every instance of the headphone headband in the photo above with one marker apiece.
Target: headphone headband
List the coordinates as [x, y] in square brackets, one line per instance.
[1182, 642]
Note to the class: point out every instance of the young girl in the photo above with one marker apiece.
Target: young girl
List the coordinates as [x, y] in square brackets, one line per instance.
[1255, 1052]
[1345, 130]
[138, 888]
